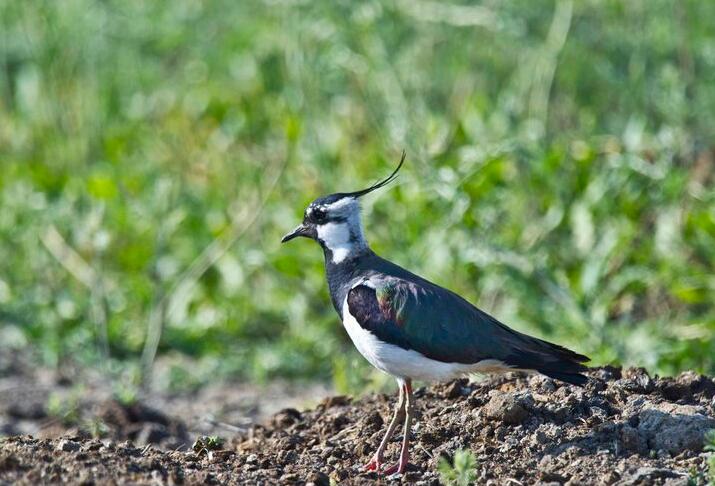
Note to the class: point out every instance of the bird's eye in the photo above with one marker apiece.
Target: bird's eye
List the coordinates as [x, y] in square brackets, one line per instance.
[319, 215]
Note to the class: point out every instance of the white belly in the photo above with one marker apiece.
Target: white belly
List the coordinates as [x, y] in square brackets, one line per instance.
[403, 363]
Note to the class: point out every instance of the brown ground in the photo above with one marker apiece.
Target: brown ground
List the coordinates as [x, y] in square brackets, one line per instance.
[623, 428]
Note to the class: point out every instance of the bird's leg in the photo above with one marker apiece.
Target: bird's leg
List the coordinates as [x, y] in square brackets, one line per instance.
[401, 466]
[397, 417]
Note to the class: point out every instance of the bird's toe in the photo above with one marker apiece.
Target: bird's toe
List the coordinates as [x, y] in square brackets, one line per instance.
[396, 469]
[373, 465]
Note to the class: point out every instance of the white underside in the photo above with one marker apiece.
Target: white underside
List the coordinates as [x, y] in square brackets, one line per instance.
[402, 363]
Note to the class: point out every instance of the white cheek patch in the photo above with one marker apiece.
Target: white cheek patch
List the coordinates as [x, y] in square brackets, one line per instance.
[336, 237]
[334, 234]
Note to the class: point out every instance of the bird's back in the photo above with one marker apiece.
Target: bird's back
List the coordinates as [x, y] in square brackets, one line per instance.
[414, 313]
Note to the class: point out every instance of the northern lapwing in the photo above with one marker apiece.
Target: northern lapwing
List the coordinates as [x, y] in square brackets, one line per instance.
[409, 327]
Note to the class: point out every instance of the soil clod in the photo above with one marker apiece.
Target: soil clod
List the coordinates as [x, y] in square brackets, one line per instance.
[625, 427]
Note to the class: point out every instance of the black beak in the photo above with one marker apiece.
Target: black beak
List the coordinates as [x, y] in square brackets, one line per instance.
[301, 230]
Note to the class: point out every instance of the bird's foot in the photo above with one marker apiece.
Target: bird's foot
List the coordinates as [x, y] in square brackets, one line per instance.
[373, 465]
[396, 469]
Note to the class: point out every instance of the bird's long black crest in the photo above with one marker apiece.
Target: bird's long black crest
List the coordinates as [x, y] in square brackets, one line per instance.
[381, 183]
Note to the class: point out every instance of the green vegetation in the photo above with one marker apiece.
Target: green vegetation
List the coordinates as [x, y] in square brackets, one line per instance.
[206, 443]
[462, 471]
[560, 174]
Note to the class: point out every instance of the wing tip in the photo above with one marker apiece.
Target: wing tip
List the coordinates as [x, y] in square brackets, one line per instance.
[572, 378]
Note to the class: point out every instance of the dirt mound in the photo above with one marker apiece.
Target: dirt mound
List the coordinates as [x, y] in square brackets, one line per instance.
[623, 428]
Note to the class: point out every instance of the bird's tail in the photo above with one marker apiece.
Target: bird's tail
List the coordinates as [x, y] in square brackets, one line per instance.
[551, 360]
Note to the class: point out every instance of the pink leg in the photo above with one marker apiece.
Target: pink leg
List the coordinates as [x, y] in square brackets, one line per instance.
[401, 466]
[376, 461]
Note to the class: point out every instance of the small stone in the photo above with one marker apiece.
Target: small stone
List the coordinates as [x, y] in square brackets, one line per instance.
[286, 418]
[374, 419]
[637, 380]
[506, 408]
[67, 445]
[630, 438]
[318, 479]
[453, 390]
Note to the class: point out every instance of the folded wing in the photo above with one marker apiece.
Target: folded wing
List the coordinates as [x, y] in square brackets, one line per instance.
[442, 326]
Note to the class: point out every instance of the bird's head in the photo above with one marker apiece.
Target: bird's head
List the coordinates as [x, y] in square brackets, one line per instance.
[334, 221]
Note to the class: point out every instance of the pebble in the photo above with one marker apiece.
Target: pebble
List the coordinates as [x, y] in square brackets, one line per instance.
[67, 445]
[506, 408]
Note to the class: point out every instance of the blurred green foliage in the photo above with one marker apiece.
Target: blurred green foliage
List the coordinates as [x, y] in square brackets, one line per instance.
[560, 174]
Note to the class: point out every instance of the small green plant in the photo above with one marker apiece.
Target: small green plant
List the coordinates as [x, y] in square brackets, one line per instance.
[710, 447]
[461, 471]
[96, 427]
[207, 443]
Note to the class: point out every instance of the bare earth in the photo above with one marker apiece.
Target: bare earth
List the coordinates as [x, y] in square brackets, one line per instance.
[623, 428]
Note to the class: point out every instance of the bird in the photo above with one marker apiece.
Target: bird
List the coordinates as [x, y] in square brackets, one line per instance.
[409, 327]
